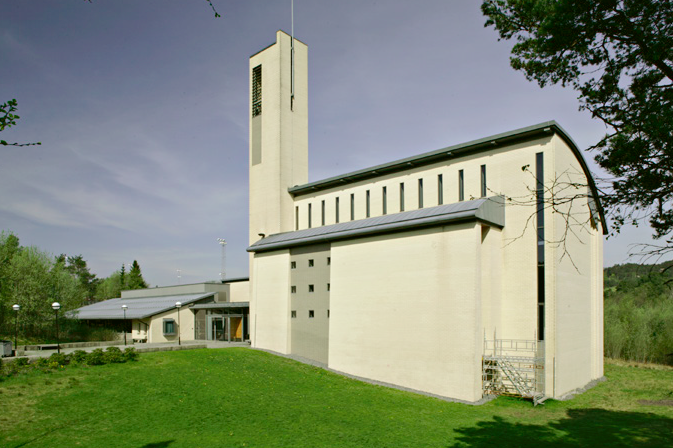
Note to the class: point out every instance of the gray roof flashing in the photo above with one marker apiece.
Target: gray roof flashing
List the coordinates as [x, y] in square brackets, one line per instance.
[489, 210]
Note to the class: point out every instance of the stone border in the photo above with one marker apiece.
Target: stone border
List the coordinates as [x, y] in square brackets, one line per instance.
[580, 390]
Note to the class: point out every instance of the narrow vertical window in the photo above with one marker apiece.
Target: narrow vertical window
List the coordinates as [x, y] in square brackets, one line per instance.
[420, 193]
[401, 196]
[539, 193]
[257, 91]
[329, 261]
[368, 207]
[461, 186]
[483, 181]
[440, 189]
[294, 314]
[385, 200]
[336, 210]
[296, 218]
[323, 212]
[352, 206]
[311, 314]
[309, 216]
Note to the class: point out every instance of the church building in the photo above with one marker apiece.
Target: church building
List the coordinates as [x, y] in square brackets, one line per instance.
[469, 270]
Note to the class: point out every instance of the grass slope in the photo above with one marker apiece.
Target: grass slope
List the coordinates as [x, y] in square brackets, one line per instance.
[245, 398]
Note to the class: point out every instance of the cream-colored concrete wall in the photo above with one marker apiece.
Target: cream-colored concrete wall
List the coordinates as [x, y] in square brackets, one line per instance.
[239, 292]
[575, 299]
[139, 329]
[504, 176]
[284, 135]
[185, 325]
[270, 303]
[405, 309]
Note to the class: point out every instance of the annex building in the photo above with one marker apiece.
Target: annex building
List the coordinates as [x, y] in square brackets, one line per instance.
[469, 270]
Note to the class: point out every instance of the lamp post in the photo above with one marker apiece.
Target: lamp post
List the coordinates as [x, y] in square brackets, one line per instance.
[178, 305]
[57, 306]
[124, 308]
[16, 309]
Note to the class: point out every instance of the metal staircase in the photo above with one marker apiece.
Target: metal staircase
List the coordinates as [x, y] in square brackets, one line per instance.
[514, 367]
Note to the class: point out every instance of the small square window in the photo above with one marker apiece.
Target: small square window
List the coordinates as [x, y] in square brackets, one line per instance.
[328, 286]
[293, 289]
[329, 261]
[293, 314]
[169, 327]
[310, 288]
[311, 314]
[293, 265]
[310, 263]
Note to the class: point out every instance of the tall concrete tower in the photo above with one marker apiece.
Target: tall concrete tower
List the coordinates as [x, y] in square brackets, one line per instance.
[278, 134]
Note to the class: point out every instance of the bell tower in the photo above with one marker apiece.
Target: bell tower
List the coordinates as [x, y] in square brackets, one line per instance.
[278, 133]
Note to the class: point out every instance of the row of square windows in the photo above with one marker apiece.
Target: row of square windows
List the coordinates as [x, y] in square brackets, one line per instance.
[440, 198]
[311, 263]
[311, 314]
[311, 288]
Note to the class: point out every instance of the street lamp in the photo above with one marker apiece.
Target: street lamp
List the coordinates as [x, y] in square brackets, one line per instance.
[178, 305]
[57, 306]
[124, 308]
[16, 308]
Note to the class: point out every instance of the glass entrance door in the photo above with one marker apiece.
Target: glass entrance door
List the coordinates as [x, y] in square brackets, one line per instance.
[217, 328]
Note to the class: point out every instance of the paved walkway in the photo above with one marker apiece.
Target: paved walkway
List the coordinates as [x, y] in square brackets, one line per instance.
[141, 348]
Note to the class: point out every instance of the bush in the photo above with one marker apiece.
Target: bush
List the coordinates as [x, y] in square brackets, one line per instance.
[78, 357]
[130, 354]
[96, 357]
[59, 358]
[113, 355]
[21, 362]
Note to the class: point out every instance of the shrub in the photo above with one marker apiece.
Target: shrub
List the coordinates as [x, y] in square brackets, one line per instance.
[21, 362]
[96, 357]
[114, 355]
[59, 358]
[78, 357]
[130, 354]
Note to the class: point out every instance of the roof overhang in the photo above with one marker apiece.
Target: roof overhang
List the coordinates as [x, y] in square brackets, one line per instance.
[488, 210]
[220, 306]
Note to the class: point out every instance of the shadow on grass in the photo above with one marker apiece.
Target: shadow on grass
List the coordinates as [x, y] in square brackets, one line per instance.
[581, 427]
[163, 444]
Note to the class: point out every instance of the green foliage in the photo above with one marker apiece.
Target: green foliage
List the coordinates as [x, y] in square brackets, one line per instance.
[639, 313]
[113, 355]
[96, 357]
[8, 119]
[618, 55]
[135, 279]
[130, 354]
[32, 279]
[78, 357]
[119, 281]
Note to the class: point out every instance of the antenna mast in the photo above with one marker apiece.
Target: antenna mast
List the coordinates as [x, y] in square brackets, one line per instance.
[223, 243]
[292, 57]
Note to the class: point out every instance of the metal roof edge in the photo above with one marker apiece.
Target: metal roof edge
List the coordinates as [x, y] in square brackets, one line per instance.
[490, 210]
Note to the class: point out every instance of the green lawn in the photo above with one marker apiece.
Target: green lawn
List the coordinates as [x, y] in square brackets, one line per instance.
[244, 398]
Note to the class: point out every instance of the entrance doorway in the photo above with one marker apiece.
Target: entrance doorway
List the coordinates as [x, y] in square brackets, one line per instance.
[224, 327]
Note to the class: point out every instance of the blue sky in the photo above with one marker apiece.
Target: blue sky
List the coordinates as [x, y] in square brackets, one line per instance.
[142, 110]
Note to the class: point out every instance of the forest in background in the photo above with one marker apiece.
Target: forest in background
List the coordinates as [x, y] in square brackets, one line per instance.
[639, 312]
[34, 279]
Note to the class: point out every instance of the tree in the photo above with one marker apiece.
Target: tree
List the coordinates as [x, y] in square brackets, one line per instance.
[618, 55]
[135, 277]
[77, 267]
[8, 119]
